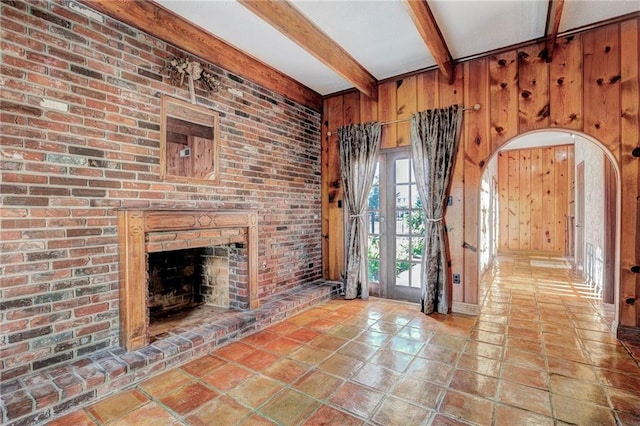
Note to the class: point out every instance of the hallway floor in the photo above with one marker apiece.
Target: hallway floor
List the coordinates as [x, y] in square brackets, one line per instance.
[539, 353]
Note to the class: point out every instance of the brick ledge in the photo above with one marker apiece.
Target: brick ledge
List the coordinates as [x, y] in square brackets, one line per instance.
[49, 393]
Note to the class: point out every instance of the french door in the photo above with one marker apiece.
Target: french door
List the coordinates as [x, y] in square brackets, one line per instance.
[396, 228]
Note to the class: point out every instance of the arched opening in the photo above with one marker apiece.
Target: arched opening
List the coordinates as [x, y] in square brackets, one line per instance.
[588, 234]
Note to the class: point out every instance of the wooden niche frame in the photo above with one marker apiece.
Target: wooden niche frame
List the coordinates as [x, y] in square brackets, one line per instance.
[189, 139]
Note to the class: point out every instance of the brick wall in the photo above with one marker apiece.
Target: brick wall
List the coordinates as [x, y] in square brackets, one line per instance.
[80, 138]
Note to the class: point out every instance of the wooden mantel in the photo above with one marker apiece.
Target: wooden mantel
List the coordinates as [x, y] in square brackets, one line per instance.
[133, 228]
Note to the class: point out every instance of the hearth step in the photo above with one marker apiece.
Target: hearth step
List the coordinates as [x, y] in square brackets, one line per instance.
[49, 393]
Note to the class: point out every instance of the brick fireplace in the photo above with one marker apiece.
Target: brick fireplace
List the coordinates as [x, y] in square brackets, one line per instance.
[141, 232]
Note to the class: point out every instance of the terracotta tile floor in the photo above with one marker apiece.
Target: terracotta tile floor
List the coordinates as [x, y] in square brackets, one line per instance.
[539, 353]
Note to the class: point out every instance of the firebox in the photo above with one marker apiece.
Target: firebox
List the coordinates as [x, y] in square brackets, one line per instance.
[172, 260]
[180, 280]
[175, 281]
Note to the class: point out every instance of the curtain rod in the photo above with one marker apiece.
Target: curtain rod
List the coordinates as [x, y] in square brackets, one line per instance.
[476, 107]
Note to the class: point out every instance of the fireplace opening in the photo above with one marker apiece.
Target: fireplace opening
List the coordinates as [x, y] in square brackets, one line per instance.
[144, 232]
[175, 282]
[190, 286]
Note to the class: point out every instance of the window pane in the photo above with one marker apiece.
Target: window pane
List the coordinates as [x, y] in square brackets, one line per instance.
[373, 222]
[402, 222]
[402, 196]
[374, 270]
[416, 203]
[402, 170]
[417, 248]
[376, 176]
[416, 269]
[403, 248]
[403, 277]
[373, 254]
[374, 198]
[417, 222]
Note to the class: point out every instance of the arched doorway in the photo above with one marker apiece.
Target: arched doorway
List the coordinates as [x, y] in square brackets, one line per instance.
[595, 258]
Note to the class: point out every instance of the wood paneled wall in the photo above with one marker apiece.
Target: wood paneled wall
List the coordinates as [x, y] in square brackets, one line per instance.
[591, 87]
[535, 187]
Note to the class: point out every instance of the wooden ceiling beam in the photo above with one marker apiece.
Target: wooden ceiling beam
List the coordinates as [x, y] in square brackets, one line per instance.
[286, 18]
[157, 21]
[427, 26]
[554, 15]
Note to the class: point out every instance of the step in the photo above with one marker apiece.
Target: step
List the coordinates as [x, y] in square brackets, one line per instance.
[49, 393]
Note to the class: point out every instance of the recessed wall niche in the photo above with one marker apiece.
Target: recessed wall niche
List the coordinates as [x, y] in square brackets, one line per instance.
[188, 141]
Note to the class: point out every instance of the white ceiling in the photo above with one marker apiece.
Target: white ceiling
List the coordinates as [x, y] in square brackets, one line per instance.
[380, 34]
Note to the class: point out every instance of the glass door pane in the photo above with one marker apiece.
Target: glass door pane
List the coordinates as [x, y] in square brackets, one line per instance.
[373, 227]
[409, 231]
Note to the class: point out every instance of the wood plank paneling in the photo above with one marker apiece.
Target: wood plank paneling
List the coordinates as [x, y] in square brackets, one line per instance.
[477, 145]
[387, 112]
[537, 234]
[565, 88]
[368, 109]
[571, 201]
[351, 108]
[427, 97]
[406, 101]
[560, 198]
[175, 165]
[513, 200]
[333, 223]
[536, 198]
[548, 200]
[524, 199]
[202, 157]
[630, 165]
[503, 199]
[450, 94]
[533, 84]
[503, 71]
[601, 58]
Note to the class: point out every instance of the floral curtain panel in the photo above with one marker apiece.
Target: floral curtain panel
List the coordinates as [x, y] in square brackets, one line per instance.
[359, 149]
[435, 137]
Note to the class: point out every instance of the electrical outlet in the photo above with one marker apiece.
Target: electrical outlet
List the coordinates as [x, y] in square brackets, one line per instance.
[184, 153]
[456, 278]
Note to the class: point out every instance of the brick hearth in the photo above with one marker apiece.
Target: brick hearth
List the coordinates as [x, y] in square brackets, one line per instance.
[39, 397]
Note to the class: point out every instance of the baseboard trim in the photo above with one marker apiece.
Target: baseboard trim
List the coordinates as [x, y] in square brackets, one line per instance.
[465, 308]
